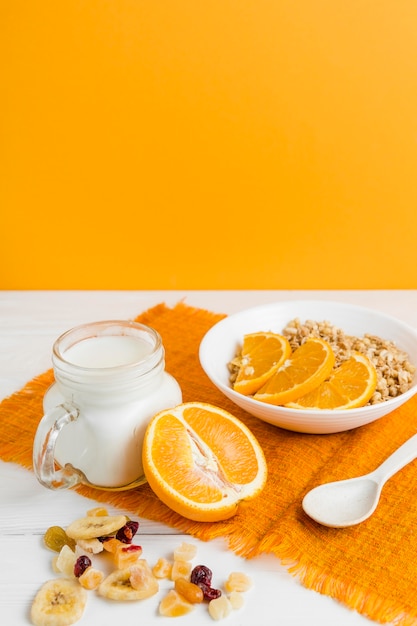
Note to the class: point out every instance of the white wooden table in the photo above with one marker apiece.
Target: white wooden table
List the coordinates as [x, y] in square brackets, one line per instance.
[30, 321]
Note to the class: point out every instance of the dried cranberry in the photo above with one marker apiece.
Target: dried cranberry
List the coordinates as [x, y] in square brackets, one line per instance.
[209, 592]
[81, 564]
[201, 576]
[130, 549]
[127, 532]
[201, 573]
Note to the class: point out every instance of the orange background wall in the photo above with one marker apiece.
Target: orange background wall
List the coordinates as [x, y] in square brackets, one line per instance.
[214, 144]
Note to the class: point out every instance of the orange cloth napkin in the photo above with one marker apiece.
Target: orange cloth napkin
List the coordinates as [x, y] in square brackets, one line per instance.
[370, 567]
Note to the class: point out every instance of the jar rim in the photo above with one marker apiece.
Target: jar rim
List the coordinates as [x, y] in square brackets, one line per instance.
[110, 328]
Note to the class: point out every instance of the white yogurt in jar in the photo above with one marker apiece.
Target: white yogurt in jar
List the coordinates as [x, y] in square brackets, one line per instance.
[108, 351]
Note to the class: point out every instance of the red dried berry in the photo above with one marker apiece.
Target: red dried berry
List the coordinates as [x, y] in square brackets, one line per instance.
[209, 592]
[127, 532]
[81, 564]
[201, 576]
[130, 549]
[201, 573]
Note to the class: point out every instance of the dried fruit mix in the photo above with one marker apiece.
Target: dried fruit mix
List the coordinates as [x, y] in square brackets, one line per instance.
[62, 601]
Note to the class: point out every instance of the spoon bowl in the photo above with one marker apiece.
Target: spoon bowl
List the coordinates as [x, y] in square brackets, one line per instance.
[344, 502]
[348, 502]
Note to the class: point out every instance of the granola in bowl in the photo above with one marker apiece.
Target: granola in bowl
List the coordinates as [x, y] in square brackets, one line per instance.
[394, 370]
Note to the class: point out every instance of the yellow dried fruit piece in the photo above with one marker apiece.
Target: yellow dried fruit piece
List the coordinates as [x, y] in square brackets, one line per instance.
[98, 511]
[191, 592]
[66, 561]
[185, 552]
[143, 580]
[91, 578]
[126, 555]
[181, 569]
[236, 599]
[220, 607]
[111, 545]
[174, 605]
[238, 581]
[162, 568]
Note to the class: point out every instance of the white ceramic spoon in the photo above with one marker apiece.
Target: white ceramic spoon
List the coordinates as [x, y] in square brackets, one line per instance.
[349, 502]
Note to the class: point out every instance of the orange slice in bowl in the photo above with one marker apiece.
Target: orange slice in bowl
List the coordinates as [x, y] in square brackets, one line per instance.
[306, 368]
[201, 461]
[349, 386]
[262, 354]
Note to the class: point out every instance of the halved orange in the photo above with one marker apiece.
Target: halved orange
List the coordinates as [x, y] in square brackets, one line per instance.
[307, 367]
[262, 354]
[349, 386]
[201, 461]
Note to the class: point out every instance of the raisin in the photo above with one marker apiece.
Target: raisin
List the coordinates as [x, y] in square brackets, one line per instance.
[127, 532]
[81, 564]
[56, 537]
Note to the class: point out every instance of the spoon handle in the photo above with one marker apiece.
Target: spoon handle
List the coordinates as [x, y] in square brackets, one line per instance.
[398, 459]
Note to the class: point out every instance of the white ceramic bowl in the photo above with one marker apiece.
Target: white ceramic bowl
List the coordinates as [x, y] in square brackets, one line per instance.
[221, 342]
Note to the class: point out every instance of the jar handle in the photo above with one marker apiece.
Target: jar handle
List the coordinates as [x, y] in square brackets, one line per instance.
[44, 448]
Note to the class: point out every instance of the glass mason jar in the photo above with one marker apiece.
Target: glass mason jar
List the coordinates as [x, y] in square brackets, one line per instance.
[110, 380]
